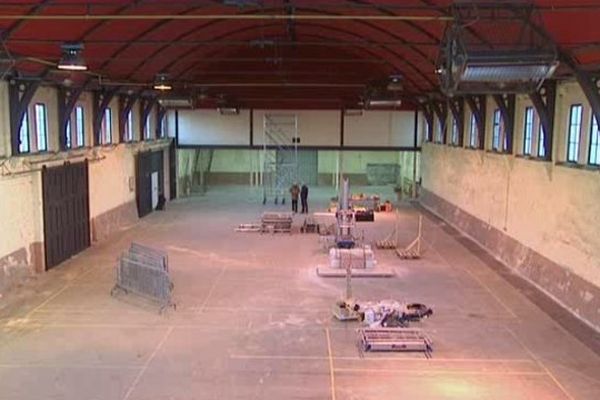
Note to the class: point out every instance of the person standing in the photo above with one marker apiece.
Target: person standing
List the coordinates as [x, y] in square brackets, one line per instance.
[304, 198]
[295, 191]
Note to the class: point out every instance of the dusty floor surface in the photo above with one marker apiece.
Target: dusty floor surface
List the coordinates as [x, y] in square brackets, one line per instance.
[253, 321]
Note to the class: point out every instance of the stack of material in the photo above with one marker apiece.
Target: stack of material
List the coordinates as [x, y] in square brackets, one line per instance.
[359, 257]
[144, 271]
[276, 222]
[359, 261]
[248, 228]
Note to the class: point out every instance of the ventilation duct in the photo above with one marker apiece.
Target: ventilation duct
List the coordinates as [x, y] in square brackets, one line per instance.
[355, 112]
[176, 102]
[373, 103]
[228, 110]
[517, 60]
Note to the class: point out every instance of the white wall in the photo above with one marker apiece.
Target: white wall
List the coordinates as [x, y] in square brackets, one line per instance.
[109, 179]
[315, 127]
[209, 127]
[380, 128]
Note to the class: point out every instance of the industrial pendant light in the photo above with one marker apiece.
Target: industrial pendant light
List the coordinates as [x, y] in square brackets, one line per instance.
[161, 82]
[72, 59]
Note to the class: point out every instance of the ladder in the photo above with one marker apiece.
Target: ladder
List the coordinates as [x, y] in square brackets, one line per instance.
[280, 155]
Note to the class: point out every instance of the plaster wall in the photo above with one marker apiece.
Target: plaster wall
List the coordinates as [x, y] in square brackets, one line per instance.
[209, 127]
[548, 208]
[315, 127]
[380, 128]
[111, 184]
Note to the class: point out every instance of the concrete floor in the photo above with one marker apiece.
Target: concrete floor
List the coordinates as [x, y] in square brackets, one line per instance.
[253, 321]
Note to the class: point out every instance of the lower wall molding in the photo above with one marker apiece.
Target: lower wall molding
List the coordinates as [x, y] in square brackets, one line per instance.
[19, 265]
[576, 294]
[228, 178]
[113, 220]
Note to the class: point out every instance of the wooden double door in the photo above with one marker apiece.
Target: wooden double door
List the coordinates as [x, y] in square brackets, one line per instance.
[65, 196]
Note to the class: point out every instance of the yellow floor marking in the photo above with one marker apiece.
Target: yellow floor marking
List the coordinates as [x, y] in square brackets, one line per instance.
[367, 359]
[479, 281]
[407, 371]
[331, 369]
[147, 363]
[212, 289]
[540, 363]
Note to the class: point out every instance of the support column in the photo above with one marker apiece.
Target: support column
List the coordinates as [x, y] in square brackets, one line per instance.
[507, 105]
[441, 111]
[67, 98]
[457, 107]
[428, 114]
[147, 104]
[477, 104]
[102, 99]
[544, 101]
[20, 95]
[125, 105]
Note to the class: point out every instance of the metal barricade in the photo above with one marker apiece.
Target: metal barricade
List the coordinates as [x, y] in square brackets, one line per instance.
[142, 253]
[143, 271]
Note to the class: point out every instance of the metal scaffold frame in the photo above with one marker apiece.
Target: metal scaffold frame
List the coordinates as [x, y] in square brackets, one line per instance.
[280, 145]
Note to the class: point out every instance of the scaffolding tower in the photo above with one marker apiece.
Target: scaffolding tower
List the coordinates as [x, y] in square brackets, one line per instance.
[280, 155]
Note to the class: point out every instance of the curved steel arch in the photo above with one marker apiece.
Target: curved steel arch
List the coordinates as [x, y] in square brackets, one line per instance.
[359, 48]
[386, 11]
[98, 25]
[194, 29]
[298, 26]
[145, 32]
[211, 23]
[18, 23]
[356, 51]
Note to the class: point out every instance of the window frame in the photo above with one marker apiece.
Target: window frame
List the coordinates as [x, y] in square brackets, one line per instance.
[541, 150]
[44, 124]
[163, 127]
[594, 126]
[25, 125]
[128, 127]
[570, 131]
[528, 127]
[454, 136]
[79, 117]
[106, 131]
[473, 132]
[496, 130]
[440, 133]
[147, 132]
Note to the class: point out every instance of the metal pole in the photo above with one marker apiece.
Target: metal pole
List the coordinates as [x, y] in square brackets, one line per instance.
[133, 17]
[414, 185]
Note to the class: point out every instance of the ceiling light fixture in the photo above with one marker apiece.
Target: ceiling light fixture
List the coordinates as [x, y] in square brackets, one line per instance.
[72, 59]
[162, 83]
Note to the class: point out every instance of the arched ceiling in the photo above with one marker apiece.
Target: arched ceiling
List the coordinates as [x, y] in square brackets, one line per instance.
[260, 53]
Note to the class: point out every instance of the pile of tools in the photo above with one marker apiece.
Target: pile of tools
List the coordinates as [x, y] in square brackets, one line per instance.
[385, 323]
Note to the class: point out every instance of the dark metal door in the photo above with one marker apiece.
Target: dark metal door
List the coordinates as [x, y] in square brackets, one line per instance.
[147, 163]
[66, 211]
